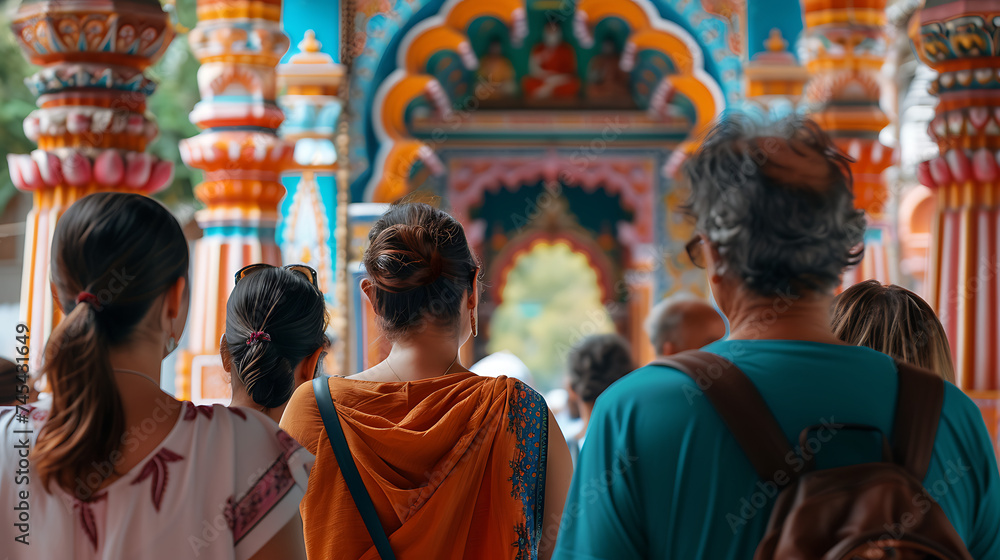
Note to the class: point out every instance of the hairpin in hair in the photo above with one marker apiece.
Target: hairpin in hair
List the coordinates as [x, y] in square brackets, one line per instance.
[258, 336]
[89, 298]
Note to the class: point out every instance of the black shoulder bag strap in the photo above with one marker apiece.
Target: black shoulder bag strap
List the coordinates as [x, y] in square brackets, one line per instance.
[742, 408]
[359, 494]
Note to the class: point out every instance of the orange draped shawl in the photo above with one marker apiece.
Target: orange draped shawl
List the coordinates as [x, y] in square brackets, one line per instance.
[455, 466]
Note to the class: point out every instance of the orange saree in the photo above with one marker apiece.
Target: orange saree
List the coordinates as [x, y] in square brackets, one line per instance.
[455, 466]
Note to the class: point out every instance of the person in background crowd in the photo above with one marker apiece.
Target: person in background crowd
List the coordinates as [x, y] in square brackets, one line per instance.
[595, 363]
[506, 363]
[775, 226]
[456, 465]
[564, 410]
[683, 322]
[895, 321]
[275, 335]
[119, 468]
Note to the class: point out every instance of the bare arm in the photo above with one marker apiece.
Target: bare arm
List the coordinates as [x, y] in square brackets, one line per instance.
[559, 473]
[287, 544]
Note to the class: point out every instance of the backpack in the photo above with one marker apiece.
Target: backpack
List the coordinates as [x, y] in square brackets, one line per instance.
[859, 512]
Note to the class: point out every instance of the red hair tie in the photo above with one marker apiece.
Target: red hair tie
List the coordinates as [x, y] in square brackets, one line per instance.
[258, 336]
[89, 298]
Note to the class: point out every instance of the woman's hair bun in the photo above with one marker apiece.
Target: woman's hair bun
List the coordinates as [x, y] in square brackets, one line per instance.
[420, 263]
[403, 257]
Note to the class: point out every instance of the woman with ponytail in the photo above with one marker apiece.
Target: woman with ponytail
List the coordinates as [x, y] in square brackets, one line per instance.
[275, 335]
[112, 466]
[451, 465]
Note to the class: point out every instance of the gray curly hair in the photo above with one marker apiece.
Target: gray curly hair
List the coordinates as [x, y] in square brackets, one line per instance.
[776, 202]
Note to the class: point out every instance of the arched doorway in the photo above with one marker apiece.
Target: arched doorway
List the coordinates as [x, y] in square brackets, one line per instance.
[549, 298]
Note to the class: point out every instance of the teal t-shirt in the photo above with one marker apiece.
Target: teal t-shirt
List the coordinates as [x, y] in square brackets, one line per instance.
[661, 477]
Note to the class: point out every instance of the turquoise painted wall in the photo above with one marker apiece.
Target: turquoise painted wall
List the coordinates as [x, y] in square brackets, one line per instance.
[321, 16]
[318, 207]
[764, 15]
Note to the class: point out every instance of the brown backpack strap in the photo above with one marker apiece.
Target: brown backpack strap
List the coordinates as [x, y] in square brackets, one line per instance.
[918, 410]
[742, 408]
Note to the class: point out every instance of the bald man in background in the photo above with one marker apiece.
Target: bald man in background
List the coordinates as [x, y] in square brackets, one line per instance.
[683, 322]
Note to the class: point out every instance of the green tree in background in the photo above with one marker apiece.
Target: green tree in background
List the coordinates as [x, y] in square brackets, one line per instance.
[17, 103]
[550, 301]
[176, 93]
[176, 76]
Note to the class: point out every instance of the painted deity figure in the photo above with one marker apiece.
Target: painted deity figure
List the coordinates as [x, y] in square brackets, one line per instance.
[605, 78]
[552, 67]
[496, 74]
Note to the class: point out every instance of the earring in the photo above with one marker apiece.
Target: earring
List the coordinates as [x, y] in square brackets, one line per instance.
[171, 344]
[475, 329]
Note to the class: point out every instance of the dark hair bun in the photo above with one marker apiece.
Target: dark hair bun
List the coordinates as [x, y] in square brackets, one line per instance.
[267, 374]
[404, 257]
[420, 264]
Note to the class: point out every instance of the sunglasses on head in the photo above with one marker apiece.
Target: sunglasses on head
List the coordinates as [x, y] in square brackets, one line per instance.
[307, 271]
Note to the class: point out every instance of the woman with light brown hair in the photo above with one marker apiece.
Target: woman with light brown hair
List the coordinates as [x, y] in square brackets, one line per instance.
[894, 321]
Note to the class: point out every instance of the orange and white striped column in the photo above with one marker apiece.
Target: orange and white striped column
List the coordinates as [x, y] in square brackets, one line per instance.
[91, 125]
[957, 39]
[239, 45]
[845, 47]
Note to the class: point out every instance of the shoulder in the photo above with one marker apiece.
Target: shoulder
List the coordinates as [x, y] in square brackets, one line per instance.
[961, 421]
[301, 419]
[655, 410]
[958, 404]
[266, 458]
[269, 470]
[521, 390]
[216, 419]
[524, 402]
[650, 389]
[252, 435]
[650, 408]
[524, 399]
[961, 418]
[304, 397]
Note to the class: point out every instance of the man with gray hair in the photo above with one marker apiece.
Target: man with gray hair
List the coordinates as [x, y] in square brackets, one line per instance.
[682, 322]
[775, 226]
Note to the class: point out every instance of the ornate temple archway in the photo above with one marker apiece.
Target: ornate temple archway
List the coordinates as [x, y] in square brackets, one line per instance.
[529, 119]
[441, 62]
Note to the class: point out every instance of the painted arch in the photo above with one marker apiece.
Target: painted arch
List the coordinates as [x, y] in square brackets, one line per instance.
[662, 58]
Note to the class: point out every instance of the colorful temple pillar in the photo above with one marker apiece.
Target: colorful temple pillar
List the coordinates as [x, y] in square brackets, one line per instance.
[958, 39]
[306, 234]
[773, 79]
[239, 45]
[315, 84]
[91, 126]
[311, 229]
[845, 46]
